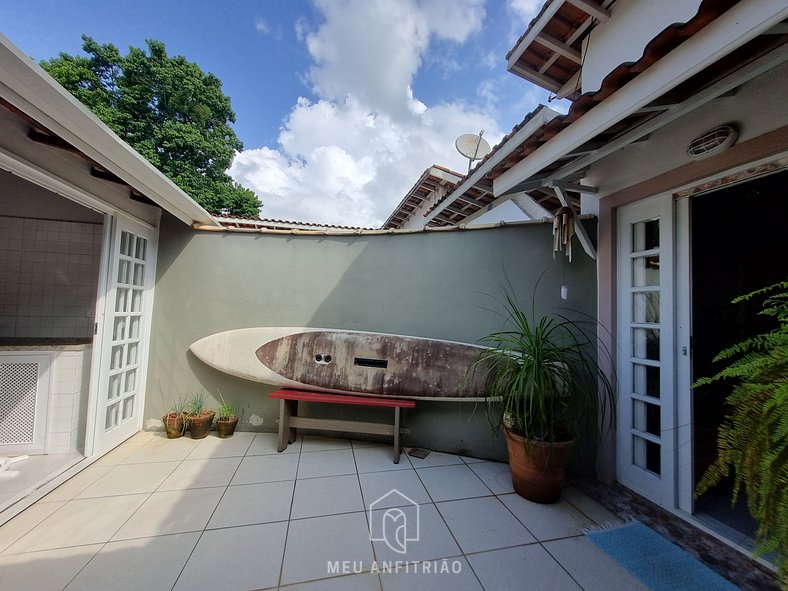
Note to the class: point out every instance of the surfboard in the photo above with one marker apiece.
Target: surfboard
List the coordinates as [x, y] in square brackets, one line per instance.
[347, 362]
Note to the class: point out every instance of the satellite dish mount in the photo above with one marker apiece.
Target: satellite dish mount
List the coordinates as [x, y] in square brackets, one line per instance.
[472, 146]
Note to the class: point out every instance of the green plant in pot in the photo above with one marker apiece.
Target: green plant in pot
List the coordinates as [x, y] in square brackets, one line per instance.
[546, 389]
[175, 420]
[226, 418]
[199, 417]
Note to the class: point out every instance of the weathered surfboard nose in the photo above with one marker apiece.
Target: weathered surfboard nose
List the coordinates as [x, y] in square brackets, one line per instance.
[234, 352]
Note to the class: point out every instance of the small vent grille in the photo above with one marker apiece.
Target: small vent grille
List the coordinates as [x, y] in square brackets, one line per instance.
[18, 391]
[713, 141]
[377, 363]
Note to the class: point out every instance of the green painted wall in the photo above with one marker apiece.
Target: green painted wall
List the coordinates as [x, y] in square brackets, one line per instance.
[435, 284]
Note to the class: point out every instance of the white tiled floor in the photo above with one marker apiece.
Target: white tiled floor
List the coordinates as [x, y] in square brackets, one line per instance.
[235, 515]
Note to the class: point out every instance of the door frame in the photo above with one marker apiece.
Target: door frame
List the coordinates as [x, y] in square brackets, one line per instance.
[685, 467]
[685, 426]
[682, 497]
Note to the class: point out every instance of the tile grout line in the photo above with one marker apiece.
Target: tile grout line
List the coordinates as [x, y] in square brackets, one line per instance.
[106, 543]
[542, 542]
[443, 519]
[571, 576]
[180, 572]
[205, 527]
[178, 463]
[300, 439]
[367, 516]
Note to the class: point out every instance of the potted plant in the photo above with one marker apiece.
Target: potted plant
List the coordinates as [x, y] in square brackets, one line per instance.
[753, 439]
[175, 420]
[226, 418]
[199, 418]
[545, 388]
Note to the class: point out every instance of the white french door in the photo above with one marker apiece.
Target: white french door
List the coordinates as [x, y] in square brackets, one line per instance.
[646, 388]
[125, 326]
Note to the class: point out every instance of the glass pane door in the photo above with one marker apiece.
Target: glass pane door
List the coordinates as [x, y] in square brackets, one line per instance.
[126, 321]
[645, 409]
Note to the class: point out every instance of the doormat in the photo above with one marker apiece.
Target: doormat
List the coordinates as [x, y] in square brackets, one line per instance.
[660, 564]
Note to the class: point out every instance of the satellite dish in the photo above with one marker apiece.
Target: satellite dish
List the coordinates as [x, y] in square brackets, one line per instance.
[472, 146]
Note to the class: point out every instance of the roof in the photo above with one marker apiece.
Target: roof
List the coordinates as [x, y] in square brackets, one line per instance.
[549, 53]
[237, 222]
[436, 181]
[61, 120]
[474, 191]
[518, 147]
[317, 230]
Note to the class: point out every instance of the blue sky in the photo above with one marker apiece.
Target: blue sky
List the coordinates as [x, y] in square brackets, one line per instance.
[341, 104]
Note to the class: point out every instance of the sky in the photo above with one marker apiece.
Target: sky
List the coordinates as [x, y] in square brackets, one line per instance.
[340, 104]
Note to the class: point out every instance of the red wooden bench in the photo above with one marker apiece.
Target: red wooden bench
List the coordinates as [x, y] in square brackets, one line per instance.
[289, 420]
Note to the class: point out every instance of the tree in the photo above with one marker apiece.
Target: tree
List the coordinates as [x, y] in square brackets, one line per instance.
[167, 109]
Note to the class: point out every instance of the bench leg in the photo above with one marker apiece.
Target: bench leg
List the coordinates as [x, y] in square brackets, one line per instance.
[286, 432]
[397, 447]
[284, 425]
[293, 413]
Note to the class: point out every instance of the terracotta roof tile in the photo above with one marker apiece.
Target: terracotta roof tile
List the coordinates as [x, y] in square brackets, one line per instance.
[663, 43]
[249, 222]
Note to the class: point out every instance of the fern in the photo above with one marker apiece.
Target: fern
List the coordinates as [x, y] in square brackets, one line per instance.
[753, 439]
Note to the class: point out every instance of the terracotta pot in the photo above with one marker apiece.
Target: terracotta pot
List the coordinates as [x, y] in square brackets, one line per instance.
[226, 427]
[200, 425]
[173, 424]
[537, 468]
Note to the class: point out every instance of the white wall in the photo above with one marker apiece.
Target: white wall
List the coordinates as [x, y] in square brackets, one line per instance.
[49, 263]
[68, 399]
[623, 37]
[48, 278]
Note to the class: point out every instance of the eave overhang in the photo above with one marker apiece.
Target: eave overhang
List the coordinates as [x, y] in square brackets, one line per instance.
[434, 182]
[724, 46]
[549, 53]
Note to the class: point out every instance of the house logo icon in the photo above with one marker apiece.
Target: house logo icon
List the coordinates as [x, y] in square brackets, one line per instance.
[396, 526]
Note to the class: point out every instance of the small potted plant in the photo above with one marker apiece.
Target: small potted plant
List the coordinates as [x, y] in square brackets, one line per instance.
[226, 418]
[175, 420]
[545, 388]
[199, 418]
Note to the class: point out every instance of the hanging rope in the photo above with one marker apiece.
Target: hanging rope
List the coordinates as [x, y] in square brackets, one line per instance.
[563, 230]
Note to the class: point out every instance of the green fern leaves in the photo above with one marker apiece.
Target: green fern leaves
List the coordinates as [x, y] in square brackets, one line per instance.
[753, 440]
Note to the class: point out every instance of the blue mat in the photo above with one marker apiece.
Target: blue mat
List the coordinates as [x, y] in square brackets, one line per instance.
[660, 564]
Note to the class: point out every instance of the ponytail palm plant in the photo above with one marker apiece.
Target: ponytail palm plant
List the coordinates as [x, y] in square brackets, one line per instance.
[544, 381]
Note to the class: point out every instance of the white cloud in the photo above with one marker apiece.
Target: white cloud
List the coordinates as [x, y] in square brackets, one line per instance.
[262, 26]
[525, 10]
[349, 156]
[342, 164]
[492, 60]
[372, 50]
[453, 20]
